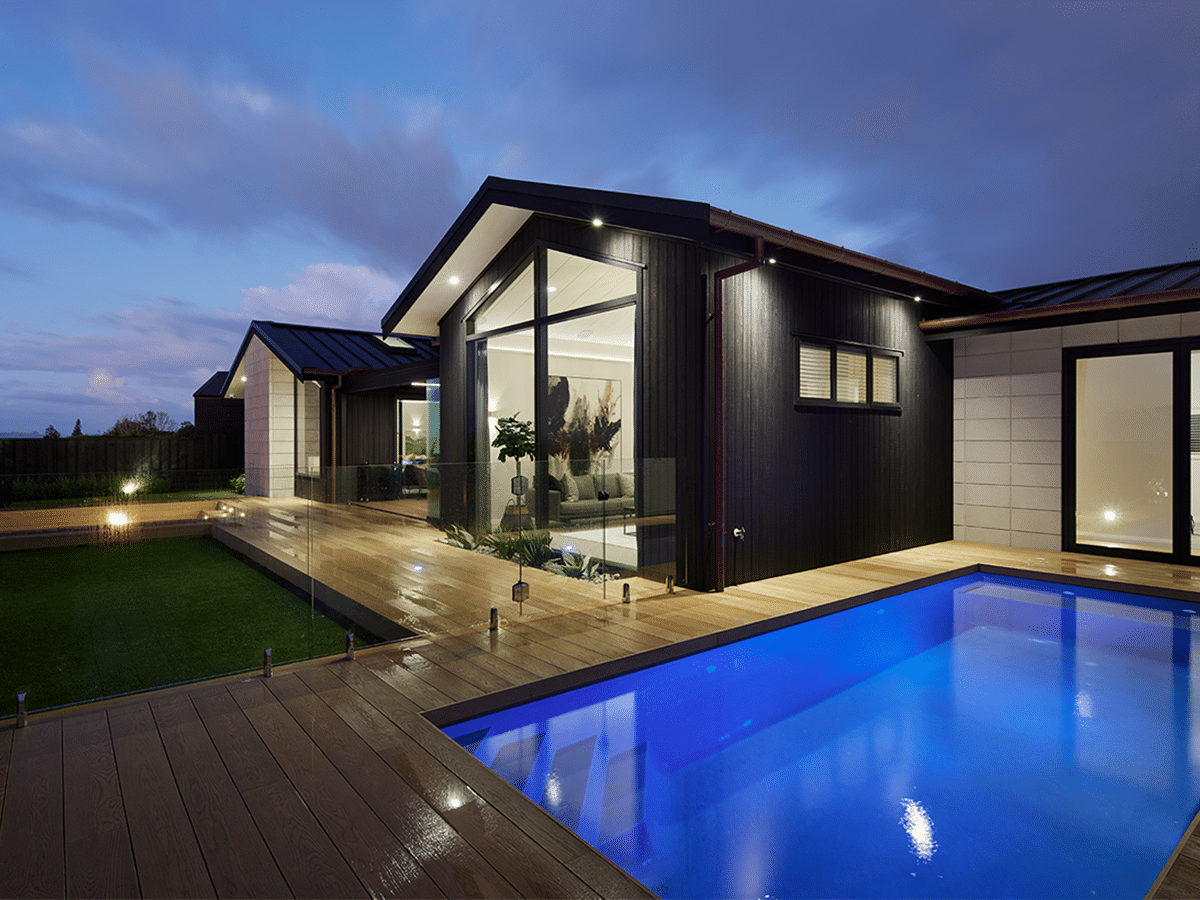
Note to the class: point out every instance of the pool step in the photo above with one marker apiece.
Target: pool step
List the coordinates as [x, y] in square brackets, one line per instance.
[564, 790]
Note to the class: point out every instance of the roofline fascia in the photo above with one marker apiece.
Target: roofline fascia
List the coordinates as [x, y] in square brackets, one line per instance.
[1046, 315]
[783, 239]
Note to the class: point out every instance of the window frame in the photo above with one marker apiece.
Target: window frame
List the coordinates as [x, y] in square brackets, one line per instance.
[833, 348]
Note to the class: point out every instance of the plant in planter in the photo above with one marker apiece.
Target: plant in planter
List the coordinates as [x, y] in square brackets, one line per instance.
[514, 438]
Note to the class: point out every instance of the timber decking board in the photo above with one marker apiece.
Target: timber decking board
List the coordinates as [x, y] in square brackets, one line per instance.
[238, 860]
[99, 856]
[165, 849]
[447, 859]
[31, 832]
[379, 860]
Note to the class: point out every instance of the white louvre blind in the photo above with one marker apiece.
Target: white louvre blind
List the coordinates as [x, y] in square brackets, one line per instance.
[883, 378]
[851, 376]
[814, 371]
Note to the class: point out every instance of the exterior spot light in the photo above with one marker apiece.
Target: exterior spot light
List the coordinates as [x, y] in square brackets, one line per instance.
[130, 487]
[118, 518]
[917, 299]
[1110, 516]
[771, 260]
[243, 378]
[454, 279]
[551, 288]
[597, 222]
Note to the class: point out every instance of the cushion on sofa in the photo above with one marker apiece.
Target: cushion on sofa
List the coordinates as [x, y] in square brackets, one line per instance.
[626, 484]
[612, 484]
[586, 486]
[570, 490]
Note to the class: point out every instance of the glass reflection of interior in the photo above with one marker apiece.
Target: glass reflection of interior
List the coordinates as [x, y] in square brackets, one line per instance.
[1123, 451]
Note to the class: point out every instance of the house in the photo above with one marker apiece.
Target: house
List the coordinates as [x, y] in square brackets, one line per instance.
[731, 400]
[321, 405]
[779, 407]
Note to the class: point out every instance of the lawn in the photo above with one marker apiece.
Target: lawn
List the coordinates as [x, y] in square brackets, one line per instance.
[88, 622]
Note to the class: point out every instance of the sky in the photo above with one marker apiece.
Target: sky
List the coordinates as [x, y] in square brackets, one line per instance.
[170, 171]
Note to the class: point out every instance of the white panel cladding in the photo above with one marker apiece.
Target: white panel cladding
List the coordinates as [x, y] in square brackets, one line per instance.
[270, 422]
[1007, 410]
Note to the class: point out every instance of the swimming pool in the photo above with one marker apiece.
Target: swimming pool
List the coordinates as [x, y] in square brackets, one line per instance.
[985, 736]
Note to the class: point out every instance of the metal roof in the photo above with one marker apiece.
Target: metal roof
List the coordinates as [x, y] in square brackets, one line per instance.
[314, 349]
[1139, 292]
[1152, 280]
[214, 387]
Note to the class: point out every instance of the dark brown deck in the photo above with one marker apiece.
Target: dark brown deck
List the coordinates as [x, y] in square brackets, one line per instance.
[327, 779]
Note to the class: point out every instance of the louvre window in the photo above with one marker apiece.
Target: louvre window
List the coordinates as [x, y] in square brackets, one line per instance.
[851, 376]
[814, 371]
[883, 379]
[833, 374]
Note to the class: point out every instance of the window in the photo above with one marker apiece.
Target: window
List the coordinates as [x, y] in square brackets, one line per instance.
[852, 375]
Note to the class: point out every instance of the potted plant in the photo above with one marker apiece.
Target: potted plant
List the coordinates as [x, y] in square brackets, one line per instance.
[514, 438]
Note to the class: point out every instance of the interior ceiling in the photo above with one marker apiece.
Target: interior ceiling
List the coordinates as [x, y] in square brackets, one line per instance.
[573, 282]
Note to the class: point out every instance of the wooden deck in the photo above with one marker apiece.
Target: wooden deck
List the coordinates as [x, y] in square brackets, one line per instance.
[327, 779]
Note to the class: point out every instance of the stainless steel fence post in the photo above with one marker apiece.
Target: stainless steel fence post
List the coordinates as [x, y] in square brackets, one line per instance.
[670, 584]
[349, 645]
[625, 593]
[267, 663]
[494, 620]
[20, 709]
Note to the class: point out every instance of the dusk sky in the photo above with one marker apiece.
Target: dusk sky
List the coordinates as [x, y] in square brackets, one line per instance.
[171, 171]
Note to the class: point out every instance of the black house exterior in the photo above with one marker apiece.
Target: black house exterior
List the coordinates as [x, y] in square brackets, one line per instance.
[769, 399]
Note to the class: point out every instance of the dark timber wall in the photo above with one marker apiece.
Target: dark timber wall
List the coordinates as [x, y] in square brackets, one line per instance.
[819, 485]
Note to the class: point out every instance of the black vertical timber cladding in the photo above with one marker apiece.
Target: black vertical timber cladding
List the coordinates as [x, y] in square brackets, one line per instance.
[814, 486]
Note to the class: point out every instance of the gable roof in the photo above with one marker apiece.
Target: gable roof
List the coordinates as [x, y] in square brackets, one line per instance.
[1154, 290]
[214, 387]
[502, 206]
[309, 351]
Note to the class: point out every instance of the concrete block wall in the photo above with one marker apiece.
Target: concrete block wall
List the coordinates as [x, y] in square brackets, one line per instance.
[270, 424]
[1008, 426]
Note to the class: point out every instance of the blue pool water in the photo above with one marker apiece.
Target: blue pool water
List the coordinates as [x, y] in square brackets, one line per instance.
[984, 737]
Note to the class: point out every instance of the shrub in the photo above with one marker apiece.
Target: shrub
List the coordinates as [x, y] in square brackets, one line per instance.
[576, 565]
[530, 548]
[457, 536]
[238, 484]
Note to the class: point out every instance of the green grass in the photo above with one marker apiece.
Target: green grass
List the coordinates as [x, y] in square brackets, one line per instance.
[82, 623]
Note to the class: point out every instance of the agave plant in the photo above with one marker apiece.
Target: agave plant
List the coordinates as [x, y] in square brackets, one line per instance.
[530, 548]
[577, 565]
[457, 536]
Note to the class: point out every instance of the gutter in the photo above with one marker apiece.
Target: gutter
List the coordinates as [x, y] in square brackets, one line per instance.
[725, 220]
[1044, 315]
[718, 318]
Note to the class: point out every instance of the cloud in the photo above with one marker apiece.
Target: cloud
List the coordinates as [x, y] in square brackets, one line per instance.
[995, 144]
[332, 294]
[105, 386]
[165, 150]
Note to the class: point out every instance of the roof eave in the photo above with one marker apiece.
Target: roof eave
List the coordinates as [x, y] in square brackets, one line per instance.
[1047, 316]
